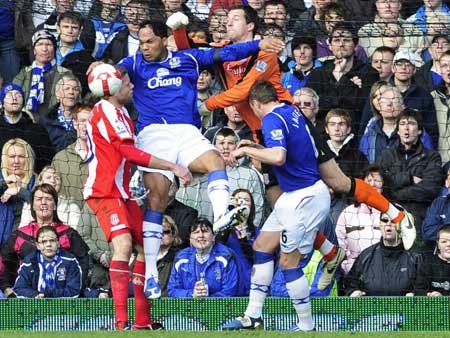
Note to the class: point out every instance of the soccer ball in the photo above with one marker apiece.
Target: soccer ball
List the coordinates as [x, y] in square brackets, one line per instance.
[104, 80]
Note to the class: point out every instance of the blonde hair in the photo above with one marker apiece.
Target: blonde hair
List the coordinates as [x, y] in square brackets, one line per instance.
[176, 235]
[29, 163]
[378, 89]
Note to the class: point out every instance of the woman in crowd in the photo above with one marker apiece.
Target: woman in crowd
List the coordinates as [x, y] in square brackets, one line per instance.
[170, 245]
[68, 211]
[240, 239]
[21, 243]
[357, 226]
[16, 182]
[206, 269]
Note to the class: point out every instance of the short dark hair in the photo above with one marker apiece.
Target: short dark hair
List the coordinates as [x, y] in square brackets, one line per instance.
[250, 14]
[71, 15]
[263, 92]
[46, 228]
[347, 27]
[442, 229]
[384, 49]
[225, 132]
[201, 223]
[304, 40]
[48, 189]
[159, 28]
[372, 168]
[338, 8]
[411, 113]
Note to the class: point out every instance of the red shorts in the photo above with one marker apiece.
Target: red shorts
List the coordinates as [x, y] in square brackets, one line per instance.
[117, 217]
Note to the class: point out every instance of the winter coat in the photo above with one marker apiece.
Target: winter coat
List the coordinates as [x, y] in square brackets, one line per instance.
[21, 243]
[51, 78]
[438, 215]
[59, 136]
[343, 93]
[433, 275]
[11, 210]
[400, 165]
[36, 136]
[351, 161]
[357, 228]
[67, 277]
[374, 140]
[221, 273]
[383, 271]
[73, 171]
[418, 99]
[443, 120]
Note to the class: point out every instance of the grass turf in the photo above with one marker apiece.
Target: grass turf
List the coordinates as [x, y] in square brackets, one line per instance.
[215, 334]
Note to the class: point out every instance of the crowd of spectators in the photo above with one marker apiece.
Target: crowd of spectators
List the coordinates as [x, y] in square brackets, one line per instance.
[373, 77]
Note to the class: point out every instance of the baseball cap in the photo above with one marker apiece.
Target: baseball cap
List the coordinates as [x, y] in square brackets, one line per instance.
[408, 56]
[43, 34]
[7, 88]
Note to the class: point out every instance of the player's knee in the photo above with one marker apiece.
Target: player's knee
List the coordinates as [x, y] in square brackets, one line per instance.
[216, 162]
[122, 249]
[290, 260]
[157, 201]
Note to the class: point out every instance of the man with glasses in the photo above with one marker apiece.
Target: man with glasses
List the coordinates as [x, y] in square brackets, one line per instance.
[414, 96]
[385, 268]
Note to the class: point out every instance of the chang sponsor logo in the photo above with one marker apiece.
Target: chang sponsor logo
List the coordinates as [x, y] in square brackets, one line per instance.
[156, 82]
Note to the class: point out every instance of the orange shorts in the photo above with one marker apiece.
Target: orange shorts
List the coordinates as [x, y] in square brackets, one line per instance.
[117, 217]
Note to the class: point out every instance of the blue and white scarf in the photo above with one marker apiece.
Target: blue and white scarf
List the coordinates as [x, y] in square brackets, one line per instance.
[66, 124]
[47, 271]
[37, 85]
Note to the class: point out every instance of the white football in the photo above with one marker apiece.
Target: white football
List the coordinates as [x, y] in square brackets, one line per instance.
[104, 80]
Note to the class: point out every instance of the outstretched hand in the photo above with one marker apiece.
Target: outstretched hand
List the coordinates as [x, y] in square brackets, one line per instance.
[183, 173]
[271, 45]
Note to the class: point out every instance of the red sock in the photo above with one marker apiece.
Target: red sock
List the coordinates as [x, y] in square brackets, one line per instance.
[326, 248]
[365, 193]
[119, 272]
[141, 302]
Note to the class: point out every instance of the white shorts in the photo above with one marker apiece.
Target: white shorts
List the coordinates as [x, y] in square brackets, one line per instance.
[178, 143]
[298, 216]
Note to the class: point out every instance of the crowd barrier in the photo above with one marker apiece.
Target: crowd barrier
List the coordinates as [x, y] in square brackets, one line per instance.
[365, 314]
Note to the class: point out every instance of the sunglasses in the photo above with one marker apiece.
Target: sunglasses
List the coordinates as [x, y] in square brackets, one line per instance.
[385, 220]
[167, 232]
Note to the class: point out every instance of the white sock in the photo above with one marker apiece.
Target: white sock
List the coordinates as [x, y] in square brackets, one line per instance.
[152, 234]
[298, 289]
[262, 275]
[218, 192]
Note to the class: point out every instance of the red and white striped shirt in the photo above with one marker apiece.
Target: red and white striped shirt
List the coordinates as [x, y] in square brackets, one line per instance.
[108, 171]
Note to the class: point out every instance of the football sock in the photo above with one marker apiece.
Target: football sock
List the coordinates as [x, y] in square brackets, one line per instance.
[119, 272]
[152, 234]
[218, 192]
[326, 248]
[142, 304]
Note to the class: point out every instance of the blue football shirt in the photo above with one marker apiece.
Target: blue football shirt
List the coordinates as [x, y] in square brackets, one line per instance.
[285, 127]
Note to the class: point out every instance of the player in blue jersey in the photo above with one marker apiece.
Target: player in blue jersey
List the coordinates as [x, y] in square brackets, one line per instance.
[165, 96]
[298, 212]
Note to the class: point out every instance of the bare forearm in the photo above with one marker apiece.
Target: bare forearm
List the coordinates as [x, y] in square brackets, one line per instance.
[272, 156]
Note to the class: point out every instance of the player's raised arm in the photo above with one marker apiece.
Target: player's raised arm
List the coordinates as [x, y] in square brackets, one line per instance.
[238, 51]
